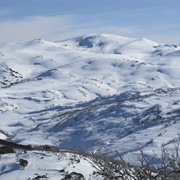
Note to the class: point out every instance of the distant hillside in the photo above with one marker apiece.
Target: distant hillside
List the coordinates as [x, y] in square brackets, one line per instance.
[102, 93]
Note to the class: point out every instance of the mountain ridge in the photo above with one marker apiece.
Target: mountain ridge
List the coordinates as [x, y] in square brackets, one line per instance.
[104, 93]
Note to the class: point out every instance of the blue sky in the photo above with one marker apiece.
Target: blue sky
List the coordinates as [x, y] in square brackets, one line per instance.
[54, 20]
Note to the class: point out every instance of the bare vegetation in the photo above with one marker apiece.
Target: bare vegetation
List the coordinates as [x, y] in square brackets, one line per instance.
[115, 169]
[119, 169]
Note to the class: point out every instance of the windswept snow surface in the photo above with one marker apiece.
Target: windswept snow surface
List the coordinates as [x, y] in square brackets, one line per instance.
[99, 92]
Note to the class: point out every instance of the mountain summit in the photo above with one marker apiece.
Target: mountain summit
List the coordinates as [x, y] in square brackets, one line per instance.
[111, 44]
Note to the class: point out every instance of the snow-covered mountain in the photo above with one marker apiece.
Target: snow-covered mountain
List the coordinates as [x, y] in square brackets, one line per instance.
[99, 92]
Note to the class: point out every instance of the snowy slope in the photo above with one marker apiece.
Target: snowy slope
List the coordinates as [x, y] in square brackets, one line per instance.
[42, 165]
[98, 92]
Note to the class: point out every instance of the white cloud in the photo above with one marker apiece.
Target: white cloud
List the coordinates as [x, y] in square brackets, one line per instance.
[79, 31]
[32, 27]
[54, 28]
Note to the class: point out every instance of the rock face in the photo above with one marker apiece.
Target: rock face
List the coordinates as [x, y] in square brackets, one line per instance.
[74, 176]
[23, 162]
